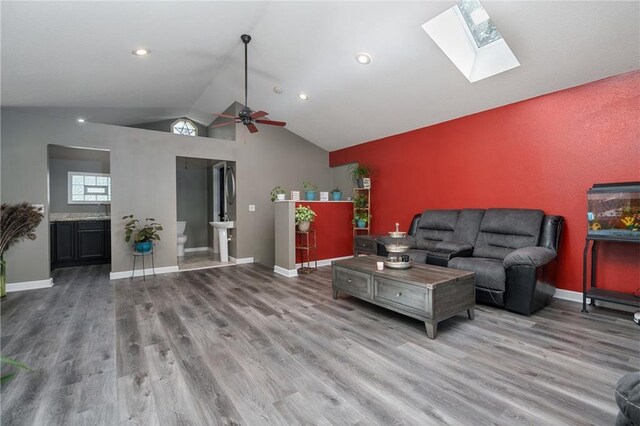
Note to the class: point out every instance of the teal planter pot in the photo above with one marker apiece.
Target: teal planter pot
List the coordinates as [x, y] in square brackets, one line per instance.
[144, 247]
[336, 195]
[361, 223]
[310, 195]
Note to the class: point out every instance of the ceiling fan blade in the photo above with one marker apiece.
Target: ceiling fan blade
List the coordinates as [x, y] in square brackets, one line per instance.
[259, 114]
[224, 124]
[224, 115]
[271, 122]
[252, 128]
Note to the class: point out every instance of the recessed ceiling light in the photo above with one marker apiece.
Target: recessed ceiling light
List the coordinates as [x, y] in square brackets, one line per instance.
[363, 58]
[81, 120]
[303, 96]
[277, 89]
[141, 52]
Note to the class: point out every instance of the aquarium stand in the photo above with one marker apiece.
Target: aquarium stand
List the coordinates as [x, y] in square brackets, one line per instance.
[592, 292]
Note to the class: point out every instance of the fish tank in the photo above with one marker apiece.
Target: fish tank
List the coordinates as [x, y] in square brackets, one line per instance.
[613, 211]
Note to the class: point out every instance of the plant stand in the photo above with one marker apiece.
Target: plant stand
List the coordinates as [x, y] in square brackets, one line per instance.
[367, 229]
[137, 254]
[307, 244]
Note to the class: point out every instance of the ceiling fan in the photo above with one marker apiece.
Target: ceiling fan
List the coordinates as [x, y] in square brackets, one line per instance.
[247, 116]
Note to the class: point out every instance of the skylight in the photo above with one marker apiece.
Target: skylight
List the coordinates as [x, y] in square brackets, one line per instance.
[466, 34]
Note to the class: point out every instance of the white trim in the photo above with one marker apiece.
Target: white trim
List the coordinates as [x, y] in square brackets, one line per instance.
[29, 285]
[289, 273]
[576, 296]
[241, 260]
[148, 272]
[572, 296]
[327, 262]
[194, 249]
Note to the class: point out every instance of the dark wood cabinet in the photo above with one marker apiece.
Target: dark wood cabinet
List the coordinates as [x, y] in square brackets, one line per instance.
[65, 241]
[80, 243]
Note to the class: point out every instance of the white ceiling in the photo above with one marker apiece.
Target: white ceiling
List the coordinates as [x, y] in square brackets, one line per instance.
[73, 59]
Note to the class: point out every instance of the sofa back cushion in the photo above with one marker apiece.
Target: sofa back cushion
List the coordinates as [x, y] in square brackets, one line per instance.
[468, 225]
[505, 230]
[435, 226]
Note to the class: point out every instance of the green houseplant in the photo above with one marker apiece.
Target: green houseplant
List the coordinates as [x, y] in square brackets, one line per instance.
[336, 194]
[12, 363]
[358, 172]
[360, 201]
[304, 216]
[17, 222]
[277, 193]
[310, 190]
[360, 219]
[143, 235]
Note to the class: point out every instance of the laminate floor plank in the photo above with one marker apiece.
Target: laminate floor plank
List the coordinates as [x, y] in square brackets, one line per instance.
[242, 345]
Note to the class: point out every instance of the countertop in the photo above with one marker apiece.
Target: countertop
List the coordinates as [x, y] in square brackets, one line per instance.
[77, 217]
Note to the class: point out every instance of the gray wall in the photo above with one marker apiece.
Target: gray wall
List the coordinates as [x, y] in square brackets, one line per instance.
[143, 174]
[63, 160]
[193, 190]
[340, 177]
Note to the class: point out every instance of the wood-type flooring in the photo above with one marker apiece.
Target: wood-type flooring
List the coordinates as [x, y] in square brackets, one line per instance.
[241, 345]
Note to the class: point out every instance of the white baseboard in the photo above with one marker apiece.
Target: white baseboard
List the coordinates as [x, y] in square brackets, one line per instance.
[194, 249]
[147, 272]
[285, 272]
[241, 260]
[29, 285]
[572, 296]
[327, 262]
[576, 296]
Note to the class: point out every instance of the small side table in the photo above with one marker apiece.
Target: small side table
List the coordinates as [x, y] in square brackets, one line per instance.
[137, 254]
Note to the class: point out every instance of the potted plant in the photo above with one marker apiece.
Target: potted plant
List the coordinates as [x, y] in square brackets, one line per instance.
[310, 190]
[143, 235]
[358, 172]
[360, 201]
[17, 222]
[360, 219]
[277, 193]
[304, 216]
[336, 194]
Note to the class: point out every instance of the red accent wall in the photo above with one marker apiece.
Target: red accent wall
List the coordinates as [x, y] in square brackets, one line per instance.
[544, 153]
[333, 227]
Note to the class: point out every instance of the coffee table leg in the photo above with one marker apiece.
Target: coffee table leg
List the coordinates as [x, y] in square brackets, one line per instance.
[335, 293]
[471, 313]
[432, 329]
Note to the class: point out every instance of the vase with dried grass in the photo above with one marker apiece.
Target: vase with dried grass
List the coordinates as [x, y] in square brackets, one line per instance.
[17, 222]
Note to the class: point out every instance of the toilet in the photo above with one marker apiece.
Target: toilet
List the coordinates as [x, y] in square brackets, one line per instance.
[182, 239]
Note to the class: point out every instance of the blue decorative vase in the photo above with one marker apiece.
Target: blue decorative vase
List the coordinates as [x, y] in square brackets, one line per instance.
[310, 195]
[144, 247]
[336, 195]
[361, 223]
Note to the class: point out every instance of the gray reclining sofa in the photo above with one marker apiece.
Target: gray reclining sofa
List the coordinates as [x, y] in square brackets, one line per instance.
[511, 251]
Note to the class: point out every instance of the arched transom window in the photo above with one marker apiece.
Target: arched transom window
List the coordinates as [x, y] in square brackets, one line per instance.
[184, 127]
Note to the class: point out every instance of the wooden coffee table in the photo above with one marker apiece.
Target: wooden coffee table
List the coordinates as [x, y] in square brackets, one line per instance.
[425, 292]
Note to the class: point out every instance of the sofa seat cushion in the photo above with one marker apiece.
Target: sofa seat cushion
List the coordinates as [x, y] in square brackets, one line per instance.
[489, 272]
[418, 256]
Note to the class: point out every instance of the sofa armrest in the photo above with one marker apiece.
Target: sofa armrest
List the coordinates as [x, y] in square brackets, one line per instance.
[529, 256]
[408, 240]
[453, 246]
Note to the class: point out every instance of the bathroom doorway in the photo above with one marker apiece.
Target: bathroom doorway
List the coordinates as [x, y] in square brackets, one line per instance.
[79, 206]
[200, 200]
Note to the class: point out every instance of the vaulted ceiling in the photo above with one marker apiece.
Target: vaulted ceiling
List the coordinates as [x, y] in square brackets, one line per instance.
[74, 59]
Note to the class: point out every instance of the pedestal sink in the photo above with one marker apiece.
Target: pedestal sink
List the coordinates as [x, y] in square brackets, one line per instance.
[223, 239]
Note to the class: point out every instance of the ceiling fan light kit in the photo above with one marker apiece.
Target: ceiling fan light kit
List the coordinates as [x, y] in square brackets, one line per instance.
[247, 116]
